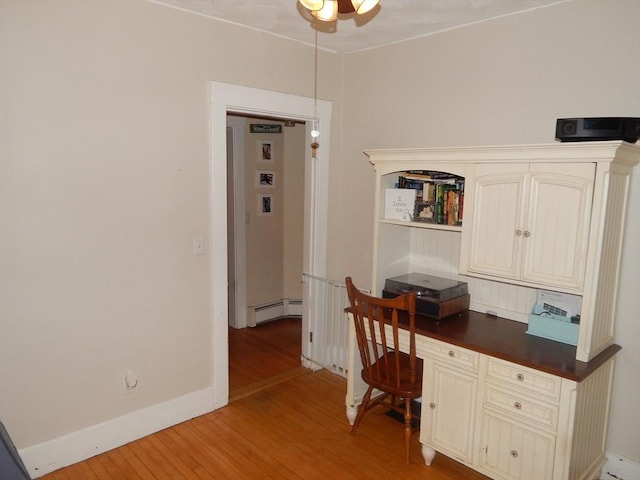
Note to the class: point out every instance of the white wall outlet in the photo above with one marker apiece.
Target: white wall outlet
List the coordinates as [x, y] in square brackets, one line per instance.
[129, 382]
[198, 245]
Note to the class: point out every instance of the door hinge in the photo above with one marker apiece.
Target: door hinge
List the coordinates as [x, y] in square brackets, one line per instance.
[310, 337]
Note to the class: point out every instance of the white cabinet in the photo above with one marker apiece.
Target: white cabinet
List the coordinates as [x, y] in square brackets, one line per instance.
[515, 451]
[449, 404]
[528, 223]
[520, 412]
[545, 216]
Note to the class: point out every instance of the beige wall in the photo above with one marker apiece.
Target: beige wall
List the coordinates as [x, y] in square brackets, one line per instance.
[274, 242]
[104, 176]
[104, 182]
[293, 209]
[264, 233]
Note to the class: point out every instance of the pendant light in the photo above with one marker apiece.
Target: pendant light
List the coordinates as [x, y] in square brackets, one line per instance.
[327, 10]
[315, 125]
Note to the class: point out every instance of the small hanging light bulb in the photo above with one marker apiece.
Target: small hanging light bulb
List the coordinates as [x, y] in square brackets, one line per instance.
[315, 128]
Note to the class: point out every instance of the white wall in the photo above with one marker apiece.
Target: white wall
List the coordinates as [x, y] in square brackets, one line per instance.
[504, 81]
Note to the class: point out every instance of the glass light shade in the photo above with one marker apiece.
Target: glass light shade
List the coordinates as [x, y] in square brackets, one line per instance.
[328, 12]
[363, 6]
[315, 128]
[313, 5]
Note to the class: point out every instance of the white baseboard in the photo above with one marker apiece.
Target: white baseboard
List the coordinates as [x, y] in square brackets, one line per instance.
[620, 468]
[60, 452]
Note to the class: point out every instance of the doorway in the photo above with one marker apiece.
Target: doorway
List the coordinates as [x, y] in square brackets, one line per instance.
[264, 251]
[226, 98]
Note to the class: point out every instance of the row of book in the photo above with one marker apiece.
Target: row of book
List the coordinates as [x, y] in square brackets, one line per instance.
[439, 196]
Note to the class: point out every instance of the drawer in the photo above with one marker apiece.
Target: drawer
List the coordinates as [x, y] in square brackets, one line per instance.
[519, 404]
[450, 354]
[533, 381]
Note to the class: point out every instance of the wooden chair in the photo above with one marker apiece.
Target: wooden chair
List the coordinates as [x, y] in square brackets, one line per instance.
[385, 367]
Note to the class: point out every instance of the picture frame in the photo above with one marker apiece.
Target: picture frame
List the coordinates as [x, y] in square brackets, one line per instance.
[425, 212]
[265, 151]
[265, 179]
[265, 204]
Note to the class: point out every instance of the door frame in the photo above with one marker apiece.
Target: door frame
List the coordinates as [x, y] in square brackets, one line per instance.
[223, 98]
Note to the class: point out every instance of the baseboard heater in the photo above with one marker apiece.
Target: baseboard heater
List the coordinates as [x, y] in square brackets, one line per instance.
[273, 310]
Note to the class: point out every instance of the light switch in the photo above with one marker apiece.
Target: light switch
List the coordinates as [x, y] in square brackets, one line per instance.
[198, 245]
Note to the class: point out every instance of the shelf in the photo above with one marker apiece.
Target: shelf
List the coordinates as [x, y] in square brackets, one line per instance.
[430, 226]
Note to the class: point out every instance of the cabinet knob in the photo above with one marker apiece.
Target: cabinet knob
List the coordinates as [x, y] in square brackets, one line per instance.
[526, 234]
[514, 453]
[452, 353]
[432, 406]
[518, 233]
[517, 405]
[520, 377]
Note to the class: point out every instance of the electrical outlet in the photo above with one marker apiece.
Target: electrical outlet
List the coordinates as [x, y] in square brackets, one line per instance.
[129, 382]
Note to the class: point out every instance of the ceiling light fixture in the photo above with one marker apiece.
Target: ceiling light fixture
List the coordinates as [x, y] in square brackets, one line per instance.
[327, 10]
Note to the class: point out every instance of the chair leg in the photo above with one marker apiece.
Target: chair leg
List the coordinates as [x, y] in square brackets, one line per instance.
[407, 428]
[361, 410]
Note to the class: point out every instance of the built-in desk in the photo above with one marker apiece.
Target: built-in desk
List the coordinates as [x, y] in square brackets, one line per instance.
[508, 404]
[508, 340]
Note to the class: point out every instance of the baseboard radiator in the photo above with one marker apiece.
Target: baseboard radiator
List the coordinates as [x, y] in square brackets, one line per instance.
[265, 312]
[328, 323]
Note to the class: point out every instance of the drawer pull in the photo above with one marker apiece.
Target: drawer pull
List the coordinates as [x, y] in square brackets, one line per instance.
[432, 406]
[452, 353]
[520, 377]
[517, 405]
[514, 453]
[526, 234]
[518, 233]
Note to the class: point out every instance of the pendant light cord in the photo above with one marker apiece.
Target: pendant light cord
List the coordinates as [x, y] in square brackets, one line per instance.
[315, 69]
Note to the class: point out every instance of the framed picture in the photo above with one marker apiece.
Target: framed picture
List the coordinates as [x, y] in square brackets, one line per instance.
[425, 212]
[265, 179]
[265, 204]
[265, 151]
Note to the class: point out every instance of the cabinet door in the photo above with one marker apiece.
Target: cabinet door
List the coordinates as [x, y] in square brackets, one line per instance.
[514, 450]
[492, 231]
[529, 223]
[448, 410]
[557, 226]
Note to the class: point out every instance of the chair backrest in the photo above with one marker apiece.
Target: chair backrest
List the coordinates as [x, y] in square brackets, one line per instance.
[373, 314]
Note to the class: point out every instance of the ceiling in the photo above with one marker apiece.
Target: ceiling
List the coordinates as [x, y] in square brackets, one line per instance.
[390, 22]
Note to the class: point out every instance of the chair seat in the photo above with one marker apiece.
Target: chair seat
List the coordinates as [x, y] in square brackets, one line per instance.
[383, 378]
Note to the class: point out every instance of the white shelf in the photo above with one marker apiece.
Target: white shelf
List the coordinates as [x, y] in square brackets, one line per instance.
[430, 226]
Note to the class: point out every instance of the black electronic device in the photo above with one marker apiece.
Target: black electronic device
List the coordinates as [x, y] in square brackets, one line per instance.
[598, 129]
[436, 297]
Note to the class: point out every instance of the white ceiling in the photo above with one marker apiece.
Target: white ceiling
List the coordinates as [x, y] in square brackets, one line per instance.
[390, 22]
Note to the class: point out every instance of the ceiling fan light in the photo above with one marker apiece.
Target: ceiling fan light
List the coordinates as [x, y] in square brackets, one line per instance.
[313, 5]
[363, 6]
[328, 12]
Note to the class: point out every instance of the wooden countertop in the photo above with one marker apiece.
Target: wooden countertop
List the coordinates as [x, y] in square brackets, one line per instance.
[508, 340]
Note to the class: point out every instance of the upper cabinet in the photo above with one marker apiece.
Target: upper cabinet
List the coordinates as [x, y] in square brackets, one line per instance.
[528, 223]
[547, 216]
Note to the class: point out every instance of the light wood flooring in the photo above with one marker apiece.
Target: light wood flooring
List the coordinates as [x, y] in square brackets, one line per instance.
[293, 429]
[263, 356]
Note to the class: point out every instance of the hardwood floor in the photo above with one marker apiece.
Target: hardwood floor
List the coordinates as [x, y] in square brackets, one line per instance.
[294, 429]
[264, 355]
